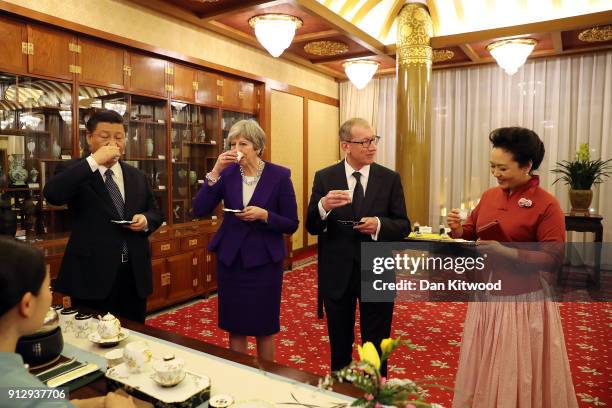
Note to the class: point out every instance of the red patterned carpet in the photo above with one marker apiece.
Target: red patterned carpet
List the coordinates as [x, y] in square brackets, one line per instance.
[434, 327]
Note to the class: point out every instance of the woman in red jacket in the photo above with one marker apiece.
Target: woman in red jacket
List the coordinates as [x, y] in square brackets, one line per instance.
[513, 351]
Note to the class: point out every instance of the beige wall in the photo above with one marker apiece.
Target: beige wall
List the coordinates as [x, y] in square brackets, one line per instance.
[323, 126]
[286, 143]
[138, 23]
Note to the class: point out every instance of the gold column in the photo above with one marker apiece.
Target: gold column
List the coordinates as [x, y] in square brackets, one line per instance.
[414, 56]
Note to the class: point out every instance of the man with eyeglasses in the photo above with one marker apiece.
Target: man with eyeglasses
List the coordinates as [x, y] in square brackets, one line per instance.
[107, 262]
[353, 201]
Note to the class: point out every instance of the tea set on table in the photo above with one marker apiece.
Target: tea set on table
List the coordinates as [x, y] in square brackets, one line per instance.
[136, 355]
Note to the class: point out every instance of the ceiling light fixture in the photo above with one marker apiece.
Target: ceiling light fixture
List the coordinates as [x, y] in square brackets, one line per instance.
[275, 31]
[360, 72]
[511, 54]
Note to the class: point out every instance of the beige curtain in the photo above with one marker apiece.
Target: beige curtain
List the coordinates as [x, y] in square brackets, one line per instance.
[566, 100]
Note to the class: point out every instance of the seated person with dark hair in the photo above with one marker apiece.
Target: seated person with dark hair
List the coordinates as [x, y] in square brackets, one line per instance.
[25, 298]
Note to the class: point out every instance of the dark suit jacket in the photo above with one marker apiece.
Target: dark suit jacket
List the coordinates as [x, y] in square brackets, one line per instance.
[257, 242]
[339, 246]
[93, 253]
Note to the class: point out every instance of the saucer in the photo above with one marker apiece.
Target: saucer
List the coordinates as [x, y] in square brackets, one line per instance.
[94, 337]
[155, 378]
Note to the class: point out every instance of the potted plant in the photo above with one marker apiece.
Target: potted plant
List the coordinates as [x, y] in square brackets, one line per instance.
[580, 174]
[379, 392]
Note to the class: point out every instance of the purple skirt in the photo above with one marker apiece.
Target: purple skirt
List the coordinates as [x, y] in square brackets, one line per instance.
[249, 298]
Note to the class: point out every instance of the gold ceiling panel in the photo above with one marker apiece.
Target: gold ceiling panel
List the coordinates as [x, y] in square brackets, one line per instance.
[326, 48]
[462, 16]
[442, 55]
[596, 34]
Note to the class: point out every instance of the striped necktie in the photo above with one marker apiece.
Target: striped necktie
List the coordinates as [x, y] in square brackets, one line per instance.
[115, 195]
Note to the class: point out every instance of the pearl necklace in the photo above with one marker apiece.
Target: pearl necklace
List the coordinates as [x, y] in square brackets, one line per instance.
[260, 167]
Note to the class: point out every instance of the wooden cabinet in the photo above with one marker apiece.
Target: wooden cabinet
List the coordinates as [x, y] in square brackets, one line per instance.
[180, 268]
[101, 64]
[13, 39]
[164, 248]
[51, 53]
[211, 269]
[208, 88]
[199, 273]
[159, 297]
[238, 95]
[247, 96]
[185, 83]
[146, 74]
[230, 92]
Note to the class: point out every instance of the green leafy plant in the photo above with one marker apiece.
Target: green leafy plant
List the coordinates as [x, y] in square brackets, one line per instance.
[379, 391]
[582, 173]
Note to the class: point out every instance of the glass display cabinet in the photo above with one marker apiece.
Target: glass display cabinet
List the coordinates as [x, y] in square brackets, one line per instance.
[35, 135]
[195, 146]
[146, 129]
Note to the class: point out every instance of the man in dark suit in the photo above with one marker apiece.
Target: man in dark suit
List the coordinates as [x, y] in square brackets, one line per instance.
[106, 266]
[354, 189]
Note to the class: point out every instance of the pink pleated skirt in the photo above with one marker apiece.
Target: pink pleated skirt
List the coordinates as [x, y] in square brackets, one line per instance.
[513, 356]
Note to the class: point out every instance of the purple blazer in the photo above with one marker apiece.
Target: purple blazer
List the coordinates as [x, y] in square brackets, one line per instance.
[256, 242]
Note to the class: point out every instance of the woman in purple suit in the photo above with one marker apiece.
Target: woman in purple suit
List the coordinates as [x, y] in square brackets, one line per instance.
[249, 244]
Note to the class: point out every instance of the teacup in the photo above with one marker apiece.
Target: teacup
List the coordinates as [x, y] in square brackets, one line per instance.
[81, 325]
[240, 156]
[108, 326]
[136, 355]
[170, 371]
[349, 193]
[66, 318]
[114, 357]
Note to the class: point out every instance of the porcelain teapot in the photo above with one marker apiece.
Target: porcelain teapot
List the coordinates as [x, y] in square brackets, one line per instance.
[108, 326]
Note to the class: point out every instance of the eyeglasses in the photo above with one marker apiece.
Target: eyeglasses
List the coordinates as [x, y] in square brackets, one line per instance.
[366, 143]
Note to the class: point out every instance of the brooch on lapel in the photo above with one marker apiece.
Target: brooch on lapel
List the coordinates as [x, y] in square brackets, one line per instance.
[524, 202]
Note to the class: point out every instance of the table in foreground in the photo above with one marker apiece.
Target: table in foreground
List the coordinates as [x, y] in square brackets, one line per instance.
[239, 375]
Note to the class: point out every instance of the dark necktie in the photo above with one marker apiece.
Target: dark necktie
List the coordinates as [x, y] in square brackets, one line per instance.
[115, 195]
[358, 196]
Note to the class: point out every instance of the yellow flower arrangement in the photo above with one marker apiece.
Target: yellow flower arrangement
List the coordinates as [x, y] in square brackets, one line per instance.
[379, 392]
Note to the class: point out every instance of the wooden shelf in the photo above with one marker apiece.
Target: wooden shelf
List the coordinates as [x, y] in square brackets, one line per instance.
[147, 122]
[15, 189]
[54, 207]
[201, 143]
[24, 132]
[53, 160]
[144, 159]
[180, 162]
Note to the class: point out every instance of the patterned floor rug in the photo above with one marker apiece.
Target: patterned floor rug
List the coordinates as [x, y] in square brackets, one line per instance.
[435, 327]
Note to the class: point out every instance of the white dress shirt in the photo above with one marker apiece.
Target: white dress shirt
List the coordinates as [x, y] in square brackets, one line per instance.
[351, 181]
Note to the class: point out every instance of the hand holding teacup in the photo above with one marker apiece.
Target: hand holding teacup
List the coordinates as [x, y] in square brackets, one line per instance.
[336, 198]
[107, 155]
[226, 159]
[455, 219]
